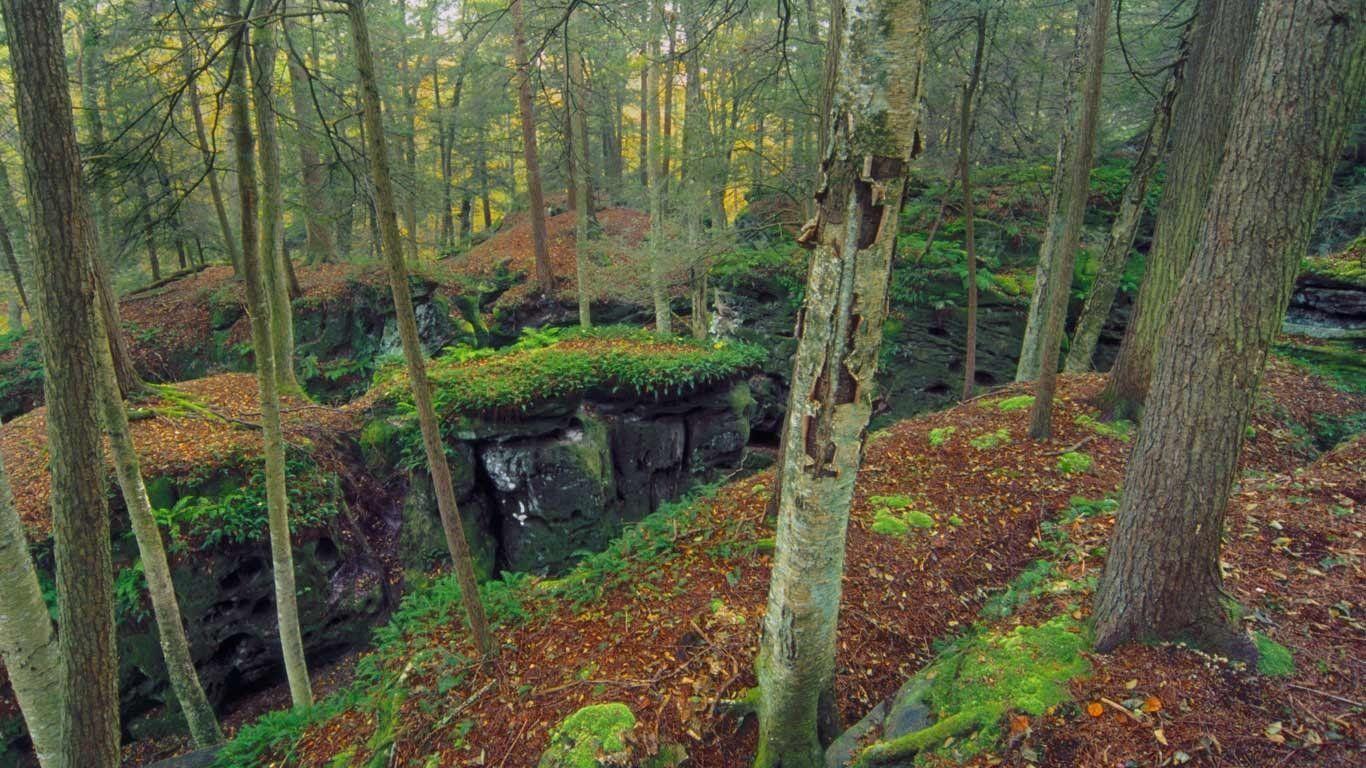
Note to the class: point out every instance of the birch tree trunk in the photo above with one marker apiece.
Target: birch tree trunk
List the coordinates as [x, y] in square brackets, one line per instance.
[1112, 261]
[1072, 184]
[277, 501]
[406, 319]
[175, 647]
[1204, 110]
[1306, 78]
[28, 646]
[64, 295]
[873, 139]
[545, 279]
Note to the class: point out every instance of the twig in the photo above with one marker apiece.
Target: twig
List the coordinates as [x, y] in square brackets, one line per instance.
[1125, 710]
[1326, 694]
[1069, 449]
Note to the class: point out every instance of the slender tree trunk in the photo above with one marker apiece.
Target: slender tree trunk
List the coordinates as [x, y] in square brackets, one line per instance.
[1071, 184]
[1112, 261]
[258, 302]
[149, 232]
[320, 248]
[1053, 286]
[583, 247]
[15, 237]
[28, 646]
[545, 279]
[645, 119]
[443, 147]
[175, 647]
[407, 326]
[12, 261]
[272, 256]
[1219, 47]
[839, 332]
[206, 147]
[965, 173]
[1306, 78]
[64, 295]
[659, 290]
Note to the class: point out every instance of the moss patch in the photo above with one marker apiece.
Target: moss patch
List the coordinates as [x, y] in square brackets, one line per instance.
[941, 435]
[591, 737]
[1119, 429]
[1016, 403]
[1074, 463]
[1273, 659]
[990, 440]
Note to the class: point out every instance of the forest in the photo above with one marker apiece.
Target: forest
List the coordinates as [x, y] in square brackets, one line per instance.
[674, 383]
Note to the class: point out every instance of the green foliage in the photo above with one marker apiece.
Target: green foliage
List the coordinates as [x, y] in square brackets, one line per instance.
[1273, 659]
[130, 586]
[1030, 583]
[1016, 403]
[782, 265]
[1347, 266]
[21, 366]
[1074, 462]
[237, 513]
[590, 737]
[1120, 429]
[941, 435]
[549, 366]
[990, 440]
[1339, 362]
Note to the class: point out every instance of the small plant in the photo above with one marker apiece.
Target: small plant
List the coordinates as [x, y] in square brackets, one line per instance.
[1016, 403]
[990, 440]
[1120, 429]
[887, 523]
[1074, 462]
[941, 435]
[1273, 659]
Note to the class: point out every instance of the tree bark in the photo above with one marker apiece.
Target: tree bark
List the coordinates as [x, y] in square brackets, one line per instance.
[1072, 185]
[206, 147]
[175, 647]
[258, 310]
[437, 462]
[1306, 77]
[1112, 261]
[839, 332]
[149, 232]
[965, 173]
[659, 291]
[319, 249]
[272, 255]
[64, 293]
[13, 237]
[545, 278]
[583, 199]
[28, 646]
[1219, 44]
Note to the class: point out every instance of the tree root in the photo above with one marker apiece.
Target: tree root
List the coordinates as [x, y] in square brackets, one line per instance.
[907, 746]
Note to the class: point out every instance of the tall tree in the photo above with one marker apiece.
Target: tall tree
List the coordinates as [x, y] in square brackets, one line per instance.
[258, 310]
[1067, 207]
[64, 293]
[873, 138]
[545, 278]
[1098, 302]
[1305, 81]
[659, 291]
[577, 102]
[13, 236]
[965, 174]
[319, 248]
[274, 266]
[437, 463]
[28, 646]
[207, 150]
[1204, 110]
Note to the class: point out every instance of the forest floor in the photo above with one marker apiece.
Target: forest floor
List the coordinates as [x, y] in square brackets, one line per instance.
[667, 621]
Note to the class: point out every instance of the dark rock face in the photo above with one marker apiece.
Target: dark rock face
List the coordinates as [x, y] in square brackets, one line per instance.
[535, 493]
[1326, 309]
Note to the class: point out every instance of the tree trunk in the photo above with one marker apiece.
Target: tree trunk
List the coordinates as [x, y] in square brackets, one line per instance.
[545, 279]
[1112, 261]
[319, 249]
[965, 173]
[659, 291]
[277, 501]
[64, 295]
[437, 462]
[272, 256]
[206, 147]
[149, 232]
[13, 237]
[577, 103]
[645, 119]
[1223, 33]
[839, 333]
[28, 646]
[12, 262]
[175, 647]
[1305, 80]
[1072, 184]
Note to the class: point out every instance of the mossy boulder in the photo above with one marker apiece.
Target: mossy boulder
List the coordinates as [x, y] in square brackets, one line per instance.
[593, 737]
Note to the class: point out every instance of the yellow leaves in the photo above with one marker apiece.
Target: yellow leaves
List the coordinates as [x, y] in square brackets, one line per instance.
[1152, 704]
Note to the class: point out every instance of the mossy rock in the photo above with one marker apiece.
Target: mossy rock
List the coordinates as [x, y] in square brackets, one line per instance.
[593, 737]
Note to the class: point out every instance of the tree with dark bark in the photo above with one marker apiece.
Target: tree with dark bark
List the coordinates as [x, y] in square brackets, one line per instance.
[1305, 80]
[873, 139]
[545, 278]
[63, 292]
[969, 214]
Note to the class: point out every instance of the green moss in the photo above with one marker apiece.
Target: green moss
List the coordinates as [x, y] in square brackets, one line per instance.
[955, 520]
[887, 523]
[1340, 362]
[990, 440]
[917, 519]
[591, 737]
[941, 435]
[1273, 659]
[1074, 462]
[895, 501]
[1017, 403]
[1120, 429]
